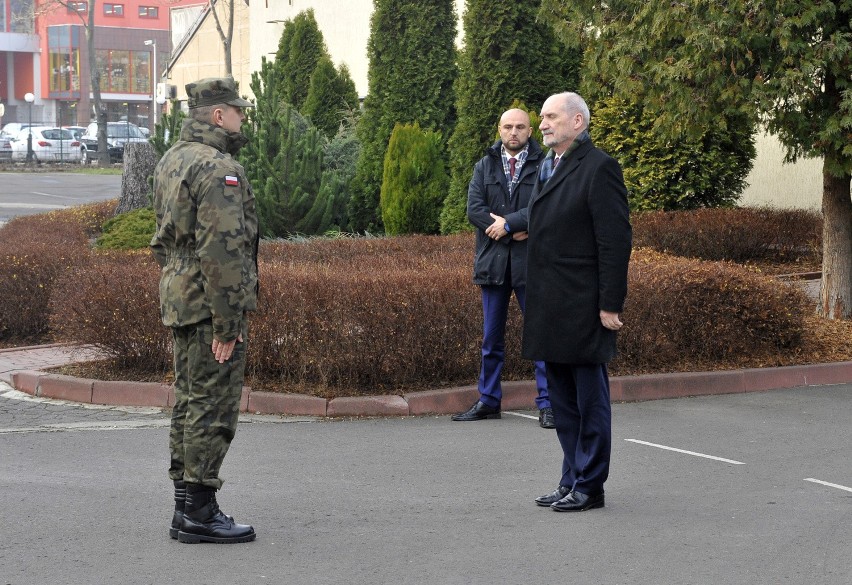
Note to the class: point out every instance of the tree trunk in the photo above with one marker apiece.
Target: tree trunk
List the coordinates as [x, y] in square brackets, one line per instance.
[139, 162]
[836, 288]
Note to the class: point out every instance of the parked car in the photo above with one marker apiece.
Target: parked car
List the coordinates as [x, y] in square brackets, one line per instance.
[5, 147]
[48, 144]
[12, 128]
[77, 131]
[118, 134]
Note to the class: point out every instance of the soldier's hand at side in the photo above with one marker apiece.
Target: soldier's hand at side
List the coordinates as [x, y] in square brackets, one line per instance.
[223, 351]
[611, 320]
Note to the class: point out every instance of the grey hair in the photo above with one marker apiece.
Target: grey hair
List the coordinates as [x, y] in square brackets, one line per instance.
[573, 102]
[204, 113]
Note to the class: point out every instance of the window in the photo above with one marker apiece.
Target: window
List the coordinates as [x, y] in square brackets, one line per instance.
[78, 6]
[113, 9]
[64, 65]
[148, 12]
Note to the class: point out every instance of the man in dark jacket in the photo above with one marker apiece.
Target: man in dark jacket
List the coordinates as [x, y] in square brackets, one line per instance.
[580, 240]
[502, 183]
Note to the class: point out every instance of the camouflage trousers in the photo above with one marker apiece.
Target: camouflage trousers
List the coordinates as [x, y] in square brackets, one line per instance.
[207, 404]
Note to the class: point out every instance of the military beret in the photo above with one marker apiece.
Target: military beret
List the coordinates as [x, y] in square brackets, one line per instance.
[212, 91]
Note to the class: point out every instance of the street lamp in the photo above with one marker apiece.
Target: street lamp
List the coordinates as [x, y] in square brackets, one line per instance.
[30, 98]
[153, 44]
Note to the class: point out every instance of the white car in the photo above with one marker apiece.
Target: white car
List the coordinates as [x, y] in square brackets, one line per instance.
[49, 144]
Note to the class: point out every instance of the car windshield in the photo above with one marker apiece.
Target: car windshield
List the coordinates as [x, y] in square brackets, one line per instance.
[124, 131]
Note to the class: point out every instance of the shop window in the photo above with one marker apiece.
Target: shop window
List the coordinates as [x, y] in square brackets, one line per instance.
[64, 67]
[148, 12]
[113, 9]
[119, 71]
[141, 80]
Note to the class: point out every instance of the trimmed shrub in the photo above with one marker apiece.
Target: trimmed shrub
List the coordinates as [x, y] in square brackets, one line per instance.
[113, 302]
[414, 183]
[739, 235]
[128, 231]
[36, 250]
[691, 311]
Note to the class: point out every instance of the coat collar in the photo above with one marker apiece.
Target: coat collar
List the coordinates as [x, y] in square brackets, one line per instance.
[565, 168]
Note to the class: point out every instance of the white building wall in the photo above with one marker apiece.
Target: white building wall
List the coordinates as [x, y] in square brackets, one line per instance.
[773, 183]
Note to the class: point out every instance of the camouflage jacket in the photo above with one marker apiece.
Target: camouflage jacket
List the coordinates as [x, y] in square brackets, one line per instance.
[207, 232]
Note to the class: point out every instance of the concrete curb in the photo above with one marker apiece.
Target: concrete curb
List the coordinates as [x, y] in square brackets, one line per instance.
[516, 395]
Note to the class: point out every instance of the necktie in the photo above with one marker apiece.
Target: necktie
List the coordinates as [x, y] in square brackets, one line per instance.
[512, 162]
[556, 160]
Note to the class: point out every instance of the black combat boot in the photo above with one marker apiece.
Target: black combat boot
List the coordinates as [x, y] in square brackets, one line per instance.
[203, 521]
[180, 499]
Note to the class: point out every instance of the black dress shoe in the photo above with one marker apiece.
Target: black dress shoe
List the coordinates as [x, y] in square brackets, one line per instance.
[479, 411]
[555, 496]
[577, 502]
[545, 418]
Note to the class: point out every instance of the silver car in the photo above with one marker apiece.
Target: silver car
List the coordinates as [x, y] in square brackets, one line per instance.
[48, 144]
[5, 147]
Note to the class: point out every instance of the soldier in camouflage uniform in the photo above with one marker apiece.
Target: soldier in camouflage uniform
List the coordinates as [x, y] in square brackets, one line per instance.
[206, 244]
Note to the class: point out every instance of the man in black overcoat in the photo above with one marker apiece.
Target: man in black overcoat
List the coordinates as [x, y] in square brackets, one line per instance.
[578, 252]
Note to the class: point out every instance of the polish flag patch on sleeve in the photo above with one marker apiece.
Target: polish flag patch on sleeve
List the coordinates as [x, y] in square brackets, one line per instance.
[232, 181]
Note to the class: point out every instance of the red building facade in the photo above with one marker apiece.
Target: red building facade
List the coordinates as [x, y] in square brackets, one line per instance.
[44, 52]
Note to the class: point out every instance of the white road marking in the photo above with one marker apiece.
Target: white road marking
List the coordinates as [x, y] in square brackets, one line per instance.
[722, 459]
[520, 414]
[834, 485]
[54, 195]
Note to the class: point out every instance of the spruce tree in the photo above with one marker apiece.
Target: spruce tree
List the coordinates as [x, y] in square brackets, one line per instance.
[508, 55]
[411, 52]
[167, 130]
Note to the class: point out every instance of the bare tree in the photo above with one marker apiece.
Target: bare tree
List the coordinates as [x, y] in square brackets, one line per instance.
[87, 19]
[226, 37]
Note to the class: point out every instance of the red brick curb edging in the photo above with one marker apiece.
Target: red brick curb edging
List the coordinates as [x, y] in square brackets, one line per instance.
[516, 395]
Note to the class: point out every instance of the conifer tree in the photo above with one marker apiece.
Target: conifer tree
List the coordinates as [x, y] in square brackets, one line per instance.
[414, 181]
[283, 157]
[167, 130]
[300, 49]
[412, 67]
[509, 54]
[331, 97]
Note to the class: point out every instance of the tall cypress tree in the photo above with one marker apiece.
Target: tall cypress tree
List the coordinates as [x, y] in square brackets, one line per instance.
[331, 98]
[412, 68]
[300, 49]
[508, 55]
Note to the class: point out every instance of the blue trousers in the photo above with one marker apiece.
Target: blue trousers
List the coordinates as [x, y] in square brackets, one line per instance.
[495, 308]
[583, 416]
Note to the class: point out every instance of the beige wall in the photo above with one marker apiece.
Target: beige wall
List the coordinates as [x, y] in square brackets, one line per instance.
[204, 56]
[781, 185]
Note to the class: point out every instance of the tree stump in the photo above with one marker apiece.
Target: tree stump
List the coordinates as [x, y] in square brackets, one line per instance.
[139, 162]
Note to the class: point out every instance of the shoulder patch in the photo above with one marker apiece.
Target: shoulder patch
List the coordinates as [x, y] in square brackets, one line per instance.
[232, 181]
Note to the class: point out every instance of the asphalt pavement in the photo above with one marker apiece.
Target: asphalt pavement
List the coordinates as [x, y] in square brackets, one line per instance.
[751, 488]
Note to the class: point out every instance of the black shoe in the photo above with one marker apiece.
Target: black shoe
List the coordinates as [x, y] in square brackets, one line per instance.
[545, 418]
[479, 411]
[180, 503]
[553, 497]
[577, 502]
[204, 522]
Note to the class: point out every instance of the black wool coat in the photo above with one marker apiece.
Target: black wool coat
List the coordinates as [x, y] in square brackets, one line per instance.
[577, 256]
[488, 193]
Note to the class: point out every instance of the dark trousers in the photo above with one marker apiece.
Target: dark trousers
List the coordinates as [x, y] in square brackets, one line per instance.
[207, 405]
[583, 416]
[495, 308]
